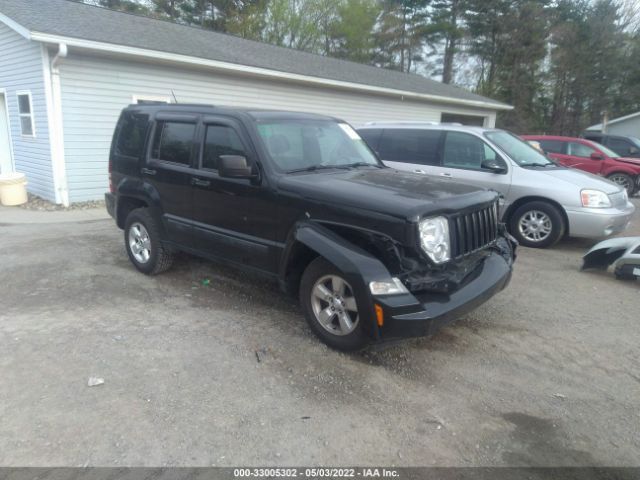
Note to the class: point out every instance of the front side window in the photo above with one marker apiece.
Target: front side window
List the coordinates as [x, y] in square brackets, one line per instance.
[173, 142]
[579, 150]
[462, 150]
[302, 144]
[133, 131]
[220, 140]
[518, 150]
[410, 146]
[25, 111]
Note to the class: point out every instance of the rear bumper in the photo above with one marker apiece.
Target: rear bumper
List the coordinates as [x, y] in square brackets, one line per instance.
[424, 313]
[599, 222]
[110, 202]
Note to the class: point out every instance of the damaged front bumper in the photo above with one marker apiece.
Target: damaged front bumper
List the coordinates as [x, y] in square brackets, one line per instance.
[423, 312]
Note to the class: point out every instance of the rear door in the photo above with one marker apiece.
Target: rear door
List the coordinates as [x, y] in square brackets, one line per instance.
[462, 158]
[413, 149]
[234, 218]
[169, 169]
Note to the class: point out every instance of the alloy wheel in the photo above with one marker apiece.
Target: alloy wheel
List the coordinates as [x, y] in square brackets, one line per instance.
[139, 243]
[535, 226]
[334, 305]
[623, 181]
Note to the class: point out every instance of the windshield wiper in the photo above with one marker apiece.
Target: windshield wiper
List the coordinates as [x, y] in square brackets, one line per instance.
[313, 168]
[535, 164]
[362, 164]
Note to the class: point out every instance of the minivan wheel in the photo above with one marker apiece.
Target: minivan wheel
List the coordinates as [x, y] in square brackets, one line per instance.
[537, 225]
[142, 241]
[330, 307]
[623, 180]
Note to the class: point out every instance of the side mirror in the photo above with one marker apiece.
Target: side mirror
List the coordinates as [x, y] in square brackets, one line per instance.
[234, 166]
[493, 166]
[596, 156]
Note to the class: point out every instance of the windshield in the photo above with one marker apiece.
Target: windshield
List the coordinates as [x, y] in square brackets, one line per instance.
[607, 151]
[521, 152]
[298, 145]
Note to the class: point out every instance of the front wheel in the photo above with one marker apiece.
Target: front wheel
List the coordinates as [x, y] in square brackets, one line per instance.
[537, 224]
[330, 307]
[623, 180]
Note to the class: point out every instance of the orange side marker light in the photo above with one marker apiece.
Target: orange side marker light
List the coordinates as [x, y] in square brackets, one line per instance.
[379, 314]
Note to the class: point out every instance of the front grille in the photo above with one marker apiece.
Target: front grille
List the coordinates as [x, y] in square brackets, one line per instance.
[474, 231]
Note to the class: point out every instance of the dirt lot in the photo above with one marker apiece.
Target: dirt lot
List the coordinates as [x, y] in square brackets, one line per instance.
[546, 373]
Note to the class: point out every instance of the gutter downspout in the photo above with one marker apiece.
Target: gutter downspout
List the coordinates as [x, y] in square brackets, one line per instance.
[59, 167]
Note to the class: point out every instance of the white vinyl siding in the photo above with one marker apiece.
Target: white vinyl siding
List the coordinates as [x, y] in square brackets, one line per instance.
[95, 89]
[630, 127]
[21, 71]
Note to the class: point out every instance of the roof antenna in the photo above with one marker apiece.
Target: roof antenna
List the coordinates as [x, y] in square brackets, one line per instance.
[174, 96]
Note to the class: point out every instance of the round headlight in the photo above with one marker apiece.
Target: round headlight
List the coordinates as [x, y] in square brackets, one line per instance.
[434, 238]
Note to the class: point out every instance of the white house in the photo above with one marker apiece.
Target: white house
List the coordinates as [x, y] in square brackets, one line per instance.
[67, 69]
[628, 125]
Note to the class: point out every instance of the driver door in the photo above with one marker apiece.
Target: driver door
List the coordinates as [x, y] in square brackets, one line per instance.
[232, 220]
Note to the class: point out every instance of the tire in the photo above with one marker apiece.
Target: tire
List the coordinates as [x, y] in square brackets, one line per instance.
[624, 180]
[142, 230]
[317, 303]
[537, 219]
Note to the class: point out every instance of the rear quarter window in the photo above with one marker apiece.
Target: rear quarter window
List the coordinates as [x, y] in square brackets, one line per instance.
[132, 133]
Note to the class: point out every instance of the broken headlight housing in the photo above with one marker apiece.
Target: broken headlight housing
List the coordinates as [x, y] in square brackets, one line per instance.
[435, 239]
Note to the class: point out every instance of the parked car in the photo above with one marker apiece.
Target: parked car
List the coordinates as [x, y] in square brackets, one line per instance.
[543, 201]
[624, 145]
[593, 158]
[373, 253]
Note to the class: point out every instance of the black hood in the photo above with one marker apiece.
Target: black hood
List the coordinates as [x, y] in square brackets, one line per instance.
[386, 190]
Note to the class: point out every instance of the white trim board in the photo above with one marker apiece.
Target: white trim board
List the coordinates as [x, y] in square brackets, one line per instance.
[257, 71]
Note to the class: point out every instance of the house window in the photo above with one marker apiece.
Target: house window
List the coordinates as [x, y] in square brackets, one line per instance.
[25, 111]
[150, 99]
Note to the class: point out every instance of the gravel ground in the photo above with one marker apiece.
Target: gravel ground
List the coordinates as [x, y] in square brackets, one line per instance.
[226, 372]
[40, 204]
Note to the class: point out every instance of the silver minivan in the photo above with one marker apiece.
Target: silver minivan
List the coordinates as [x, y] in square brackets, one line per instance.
[543, 201]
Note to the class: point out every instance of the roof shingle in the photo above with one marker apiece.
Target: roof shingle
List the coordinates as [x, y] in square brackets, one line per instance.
[86, 22]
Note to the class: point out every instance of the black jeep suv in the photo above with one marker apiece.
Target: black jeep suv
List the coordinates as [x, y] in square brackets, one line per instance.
[373, 253]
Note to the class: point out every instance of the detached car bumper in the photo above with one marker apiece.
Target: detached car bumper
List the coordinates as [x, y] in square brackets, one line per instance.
[599, 222]
[423, 313]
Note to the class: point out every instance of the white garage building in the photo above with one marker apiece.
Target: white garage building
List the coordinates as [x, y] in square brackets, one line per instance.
[67, 69]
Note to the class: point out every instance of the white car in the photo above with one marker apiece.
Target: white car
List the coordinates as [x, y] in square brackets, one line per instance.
[543, 201]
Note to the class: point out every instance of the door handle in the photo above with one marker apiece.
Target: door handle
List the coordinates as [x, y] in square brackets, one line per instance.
[200, 183]
[417, 170]
[148, 171]
[445, 174]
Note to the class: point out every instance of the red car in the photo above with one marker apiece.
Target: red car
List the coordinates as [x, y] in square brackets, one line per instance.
[591, 157]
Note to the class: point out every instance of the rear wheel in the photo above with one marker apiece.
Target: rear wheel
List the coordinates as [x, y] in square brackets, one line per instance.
[143, 244]
[537, 224]
[330, 307]
[623, 180]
